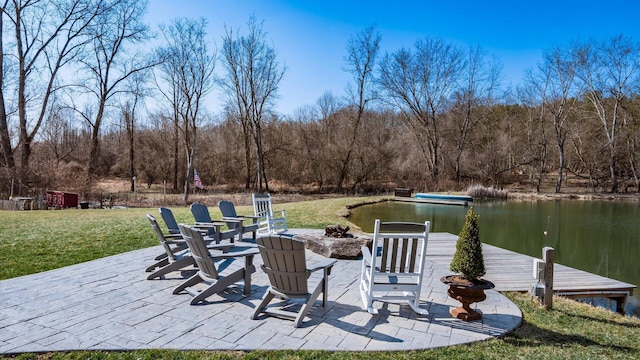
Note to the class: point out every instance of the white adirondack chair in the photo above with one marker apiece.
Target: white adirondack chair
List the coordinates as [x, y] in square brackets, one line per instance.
[268, 223]
[395, 269]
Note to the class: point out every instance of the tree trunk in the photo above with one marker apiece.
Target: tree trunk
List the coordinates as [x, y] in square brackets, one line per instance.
[543, 163]
[5, 139]
[260, 157]
[344, 170]
[24, 142]
[132, 168]
[95, 141]
[176, 151]
[187, 180]
[614, 173]
[247, 154]
[561, 160]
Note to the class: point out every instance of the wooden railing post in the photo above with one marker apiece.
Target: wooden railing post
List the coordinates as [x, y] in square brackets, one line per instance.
[548, 258]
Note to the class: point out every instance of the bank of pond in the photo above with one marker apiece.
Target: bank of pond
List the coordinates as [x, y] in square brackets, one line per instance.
[598, 236]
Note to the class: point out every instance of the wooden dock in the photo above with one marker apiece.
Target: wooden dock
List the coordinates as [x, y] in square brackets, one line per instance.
[432, 201]
[511, 271]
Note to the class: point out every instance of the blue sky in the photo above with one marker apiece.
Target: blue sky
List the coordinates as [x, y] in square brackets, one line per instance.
[311, 36]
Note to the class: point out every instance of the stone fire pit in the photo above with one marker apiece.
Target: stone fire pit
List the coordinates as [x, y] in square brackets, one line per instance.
[347, 246]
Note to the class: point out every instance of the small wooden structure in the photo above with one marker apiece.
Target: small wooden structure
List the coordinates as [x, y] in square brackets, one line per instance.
[402, 192]
[61, 200]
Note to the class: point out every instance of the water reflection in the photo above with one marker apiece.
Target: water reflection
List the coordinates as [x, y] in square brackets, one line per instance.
[596, 236]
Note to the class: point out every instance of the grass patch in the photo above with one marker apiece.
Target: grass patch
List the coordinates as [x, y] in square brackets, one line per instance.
[34, 241]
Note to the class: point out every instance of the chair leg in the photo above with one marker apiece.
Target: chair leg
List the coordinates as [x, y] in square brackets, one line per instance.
[415, 305]
[367, 297]
[249, 269]
[325, 287]
[161, 256]
[308, 305]
[219, 286]
[161, 263]
[195, 279]
[174, 266]
[266, 299]
[417, 309]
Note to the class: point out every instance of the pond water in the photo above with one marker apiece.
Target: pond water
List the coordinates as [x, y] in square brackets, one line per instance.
[601, 237]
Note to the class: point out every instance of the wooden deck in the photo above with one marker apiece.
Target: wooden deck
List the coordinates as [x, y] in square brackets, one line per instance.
[511, 271]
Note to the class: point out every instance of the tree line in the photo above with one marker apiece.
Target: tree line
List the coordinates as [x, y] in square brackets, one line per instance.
[435, 116]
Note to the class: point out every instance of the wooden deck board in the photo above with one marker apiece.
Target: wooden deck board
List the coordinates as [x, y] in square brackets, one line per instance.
[511, 271]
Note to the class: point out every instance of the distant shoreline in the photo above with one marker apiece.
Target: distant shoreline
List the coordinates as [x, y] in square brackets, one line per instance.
[574, 196]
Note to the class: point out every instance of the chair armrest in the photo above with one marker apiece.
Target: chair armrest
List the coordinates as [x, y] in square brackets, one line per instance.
[177, 242]
[328, 263]
[224, 247]
[228, 219]
[178, 247]
[237, 221]
[205, 225]
[253, 218]
[250, 216]
[235, 254]
[211, 225]
[366, 255]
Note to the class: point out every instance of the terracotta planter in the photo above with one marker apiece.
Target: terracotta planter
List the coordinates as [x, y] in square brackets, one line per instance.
[467, 292]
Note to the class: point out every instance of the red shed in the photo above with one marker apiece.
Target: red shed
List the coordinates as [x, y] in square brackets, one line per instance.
[61, 200]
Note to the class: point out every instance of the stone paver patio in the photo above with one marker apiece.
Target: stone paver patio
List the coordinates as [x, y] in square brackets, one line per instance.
[108, 304]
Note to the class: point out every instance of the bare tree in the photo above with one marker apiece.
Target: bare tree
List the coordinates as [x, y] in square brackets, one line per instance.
[154, 157]
[187, 73]
[48, 36]
[479, 84]
[5, 139]
[536, 110]
[631, 123]
[559, 98]
[129, 114]
[362, 50]
[609, 72]
[420, 85]
[58, 133]
[251, 84]
[111, 60]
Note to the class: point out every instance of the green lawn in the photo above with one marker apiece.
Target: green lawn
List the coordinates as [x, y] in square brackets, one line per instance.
[35, 241]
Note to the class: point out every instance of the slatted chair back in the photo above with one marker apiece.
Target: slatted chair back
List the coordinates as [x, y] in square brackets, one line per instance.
[393, 269]
[263, 209]
[169, 220]
[201, 214]
[285, 264]
[161, 237]
[262, 205]
[199, 252]
[402, 247]
[227, 209]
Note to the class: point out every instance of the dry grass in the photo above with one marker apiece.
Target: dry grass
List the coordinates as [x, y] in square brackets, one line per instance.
[483, 192]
